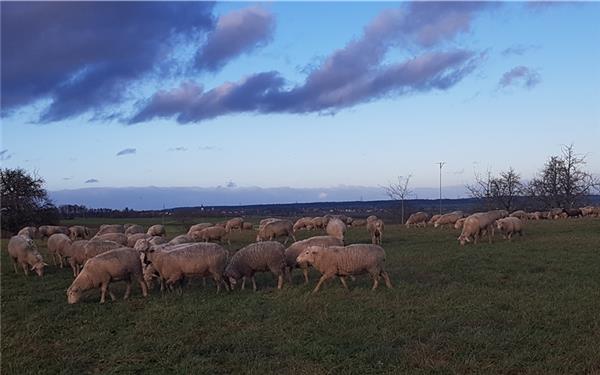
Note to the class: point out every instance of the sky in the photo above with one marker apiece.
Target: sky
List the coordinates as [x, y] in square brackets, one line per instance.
[295, 94]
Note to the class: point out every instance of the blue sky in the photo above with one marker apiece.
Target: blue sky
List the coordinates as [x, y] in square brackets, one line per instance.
[520, 81]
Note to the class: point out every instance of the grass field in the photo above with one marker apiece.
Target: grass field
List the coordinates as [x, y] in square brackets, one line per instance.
[531, 306]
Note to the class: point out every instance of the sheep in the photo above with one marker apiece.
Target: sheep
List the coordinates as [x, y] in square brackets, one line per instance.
[247, 226]
[318, 222]
[585, 211]
[345, 219]
[347, 261]
[75, 254]
[417, 219]
[132, 239]
[221, 224]
[573, 212]
[555, 213]
[519, 214]
[110, 228]
[459, 223]
[30, 232]
[266, 221]
[358, 223]
[449, 219]
[96, 247]
[275, 229]
[116, 237]
[77, 232]
[336, 228]
[372, 218]
[534, 215]
[434, 219]
[46, 231]
[215, 233]
[157, 240]
[235, 223]
[23, 252]
[292, 252]
[375, 229]
[183, 238]
[256, 257]
[157, 230]
[134, 229]
[56, 246]
[198, 227]
[303, 223]
[174, 263]
[510, 225]
[480, 222]
[98, 272]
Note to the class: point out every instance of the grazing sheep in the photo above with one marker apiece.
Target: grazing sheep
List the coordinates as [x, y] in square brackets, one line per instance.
[215, 233]
[29, 232]
[110, 228]
[256, 257]
[116, 237]
[534, 215]
[221, 224]
[519, 214]
[510, 225]
[417, 219]
[358, 223]
[318, 222]
[46, 231]
[478, 223]
[133, 238]
[292, 252]
[121, 264]
[449, 219]
[336, 228]
[347, 261]
[235, 223]
[276, 229]
[174, 263]
[434, 218]
[134, 229]
[157, 230]
[303, 223]
[375, 229]
[23, 252]
[585, 211]
[78, 232]
[75, 254]
[459, 223]
[96, 247]
[157, 240]
[573, 212]
[56, 246]
[198, 227]
[183, 238]
[555, 213]
[247, 226]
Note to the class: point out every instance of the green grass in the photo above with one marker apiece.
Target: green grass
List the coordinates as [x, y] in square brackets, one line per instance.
[531, 306]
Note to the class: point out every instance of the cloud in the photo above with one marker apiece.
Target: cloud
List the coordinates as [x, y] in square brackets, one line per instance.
[518, 50]
[84, 55]
[207, 148]
[237, 32]
[520, 76]
[91, 181]
[322, 195]
[67, 178]
[126, 151]
[4, 155]
[349, 76]
[177, 149]
[231, 185]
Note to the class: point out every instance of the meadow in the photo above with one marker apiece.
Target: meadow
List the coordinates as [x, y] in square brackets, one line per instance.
[531, 306]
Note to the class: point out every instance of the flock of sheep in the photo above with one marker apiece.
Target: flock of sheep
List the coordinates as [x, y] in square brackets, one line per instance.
[131, 253]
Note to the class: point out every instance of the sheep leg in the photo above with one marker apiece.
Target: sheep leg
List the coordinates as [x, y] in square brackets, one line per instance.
[73, 267]
[386, 277]
[103, 289]
[280, 281]
[143, 286]
[375, 281]
[25, 268]
[254, 283]
[243, 283]
[323, 278]
[510, 237]
[343, 281]
[288, 273]
[127, 290]
[15, 264]
[305, 272]
[61, 260]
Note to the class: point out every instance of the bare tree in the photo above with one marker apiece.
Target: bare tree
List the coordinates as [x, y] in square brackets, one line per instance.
[399, 191]
[482, 188]
[497, 191]
[563, 182]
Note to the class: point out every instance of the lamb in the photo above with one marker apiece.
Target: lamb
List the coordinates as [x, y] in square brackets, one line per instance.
[459, 223]
[336, 228]
[256, 257]
[132, 239]
[157, 230]
[56, 246]
[235, 223]
[116, 237]
[510, 225]
[519, 214]
[134, 229]
[480, 222]
[183, 238]
[449, 219]
[175, 263]
[212, 234]
[110, 228]
[77, 232]
[98, 272]
[375, 229]
[29, 232]
[198, 227]
[96, 247]
[275, 229]
[303, 223]
[292, 252]
[23, 252]
[417, 219]
[347, 261]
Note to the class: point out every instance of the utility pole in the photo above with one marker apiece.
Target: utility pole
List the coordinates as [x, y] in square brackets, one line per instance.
[441, 164]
